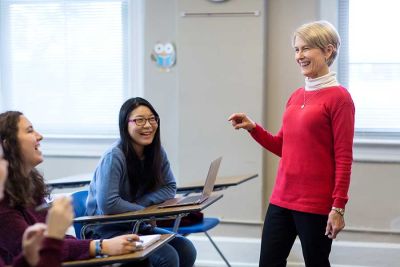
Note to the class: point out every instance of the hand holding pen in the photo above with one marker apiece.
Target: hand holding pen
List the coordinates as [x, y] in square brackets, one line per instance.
[120, 244]
[60, 217]
[137, 242]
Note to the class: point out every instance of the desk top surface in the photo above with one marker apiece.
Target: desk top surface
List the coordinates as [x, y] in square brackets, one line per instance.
[149, 212]
[221, 182]
[135, 256]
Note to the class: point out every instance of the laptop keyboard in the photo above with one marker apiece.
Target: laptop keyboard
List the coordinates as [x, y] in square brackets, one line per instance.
[189, 199]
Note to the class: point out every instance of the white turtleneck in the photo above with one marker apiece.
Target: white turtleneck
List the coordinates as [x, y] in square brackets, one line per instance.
[324, 81]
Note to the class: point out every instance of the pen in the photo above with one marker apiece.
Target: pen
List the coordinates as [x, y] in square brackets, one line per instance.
[131, 240]
[44, 206]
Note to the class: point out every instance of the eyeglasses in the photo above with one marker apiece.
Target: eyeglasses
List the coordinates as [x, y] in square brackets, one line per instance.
[142, 121]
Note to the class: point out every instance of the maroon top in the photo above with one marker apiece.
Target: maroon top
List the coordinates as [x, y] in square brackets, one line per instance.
[50, 255]
[14, 221]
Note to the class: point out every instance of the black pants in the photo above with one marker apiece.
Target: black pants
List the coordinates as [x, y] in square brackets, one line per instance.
[144, 263]
[281, 227]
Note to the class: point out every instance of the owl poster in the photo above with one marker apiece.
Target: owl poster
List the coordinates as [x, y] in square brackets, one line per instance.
[164, 55]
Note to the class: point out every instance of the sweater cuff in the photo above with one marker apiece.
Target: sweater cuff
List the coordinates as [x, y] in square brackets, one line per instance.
[255, 129]
[339, 203]
[52, 243]
[75, 249]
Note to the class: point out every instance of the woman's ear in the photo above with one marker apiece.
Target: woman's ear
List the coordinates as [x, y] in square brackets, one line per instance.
[329, 51]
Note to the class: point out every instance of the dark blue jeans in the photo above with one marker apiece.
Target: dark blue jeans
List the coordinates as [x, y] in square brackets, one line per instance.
[281, 226]
[180, 251]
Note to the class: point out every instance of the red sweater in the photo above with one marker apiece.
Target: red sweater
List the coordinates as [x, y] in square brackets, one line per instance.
[50, 255]
[14, 221]
[315, 145]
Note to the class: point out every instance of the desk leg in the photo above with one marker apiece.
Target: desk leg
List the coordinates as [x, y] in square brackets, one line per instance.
[135, 229]
[177, 222]
[83, 230]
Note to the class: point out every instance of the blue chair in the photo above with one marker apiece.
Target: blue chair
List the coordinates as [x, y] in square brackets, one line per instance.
[79, 204]
[201, 227]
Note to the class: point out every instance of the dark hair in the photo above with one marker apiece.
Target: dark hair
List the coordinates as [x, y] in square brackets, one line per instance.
[144, 177]
[20, 190]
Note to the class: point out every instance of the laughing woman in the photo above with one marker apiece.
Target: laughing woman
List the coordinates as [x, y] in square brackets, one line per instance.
[315, 146]
[133, 174]
[41, 244]
[25, 189]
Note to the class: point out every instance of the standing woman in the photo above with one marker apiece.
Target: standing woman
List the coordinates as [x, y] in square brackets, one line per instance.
[25, 190]
[315, 145]
[133, 174]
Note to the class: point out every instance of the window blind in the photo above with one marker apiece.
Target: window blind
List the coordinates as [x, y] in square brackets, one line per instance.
[370, 66]
[65, 63]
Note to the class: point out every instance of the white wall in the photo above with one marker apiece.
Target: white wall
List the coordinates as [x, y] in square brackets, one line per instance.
[221, 72]
[219, 61]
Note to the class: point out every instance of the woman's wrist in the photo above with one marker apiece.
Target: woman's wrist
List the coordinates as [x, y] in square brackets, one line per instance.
[104, 247]
[97, 248]
[92, 248]
[252, 127]
[340, 211]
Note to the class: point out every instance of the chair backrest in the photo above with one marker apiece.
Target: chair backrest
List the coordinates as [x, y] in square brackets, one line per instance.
[79, 203]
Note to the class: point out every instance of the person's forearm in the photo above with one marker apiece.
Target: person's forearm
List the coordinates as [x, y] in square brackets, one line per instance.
[162, 194]
[50, 254]
[92, 248]
[104, 248]
[267, 140]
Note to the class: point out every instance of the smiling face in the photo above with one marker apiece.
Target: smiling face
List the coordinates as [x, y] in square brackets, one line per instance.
[3, 175]
[141, 136]
[312, 60]
[29, 143]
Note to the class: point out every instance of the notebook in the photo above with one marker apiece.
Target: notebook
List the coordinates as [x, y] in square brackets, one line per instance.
[207, 189]
[146, 240]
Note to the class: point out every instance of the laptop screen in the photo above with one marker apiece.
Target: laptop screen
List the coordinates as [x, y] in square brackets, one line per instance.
[211, 177]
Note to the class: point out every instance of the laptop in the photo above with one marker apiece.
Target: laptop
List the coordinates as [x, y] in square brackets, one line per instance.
[198, 199]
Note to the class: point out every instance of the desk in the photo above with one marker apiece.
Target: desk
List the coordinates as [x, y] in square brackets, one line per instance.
[71, 181]
[220, 184]
[135, 256]
[149, 213]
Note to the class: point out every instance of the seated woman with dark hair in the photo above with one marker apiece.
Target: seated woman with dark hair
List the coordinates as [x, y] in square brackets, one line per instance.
[133, 174]
[25, 189]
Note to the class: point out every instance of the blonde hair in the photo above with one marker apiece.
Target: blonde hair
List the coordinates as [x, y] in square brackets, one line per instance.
[319, 34]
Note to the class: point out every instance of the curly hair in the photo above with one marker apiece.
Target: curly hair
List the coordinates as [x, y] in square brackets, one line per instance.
[21, 190]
